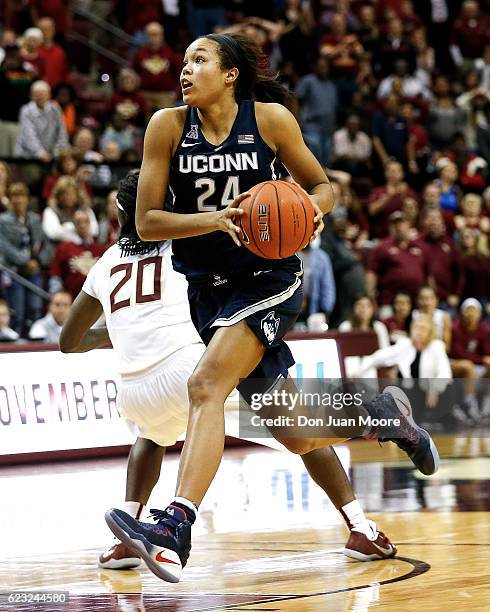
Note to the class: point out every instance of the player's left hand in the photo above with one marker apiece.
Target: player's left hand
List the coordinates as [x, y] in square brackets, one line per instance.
[319, 225]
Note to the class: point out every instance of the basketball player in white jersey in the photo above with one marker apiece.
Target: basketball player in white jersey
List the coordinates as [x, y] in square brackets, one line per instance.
[148, 323]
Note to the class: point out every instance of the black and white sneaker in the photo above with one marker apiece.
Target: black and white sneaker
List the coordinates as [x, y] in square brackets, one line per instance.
[164, 545]
[392, 404]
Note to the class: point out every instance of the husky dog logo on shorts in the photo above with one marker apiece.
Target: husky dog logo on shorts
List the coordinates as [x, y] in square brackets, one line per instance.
[270, 325]
[193, 133]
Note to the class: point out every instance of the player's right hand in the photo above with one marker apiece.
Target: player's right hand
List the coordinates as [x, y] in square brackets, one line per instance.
[225, 219]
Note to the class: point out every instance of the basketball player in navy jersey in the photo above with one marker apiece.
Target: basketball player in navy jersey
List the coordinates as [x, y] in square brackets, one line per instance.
[209, 153]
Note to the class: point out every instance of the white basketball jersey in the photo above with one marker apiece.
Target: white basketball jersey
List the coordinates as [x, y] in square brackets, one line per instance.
[145, 306]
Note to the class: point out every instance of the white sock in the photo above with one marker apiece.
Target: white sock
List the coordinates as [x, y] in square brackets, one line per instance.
[187, 503]
[356, 518]
[135, 509]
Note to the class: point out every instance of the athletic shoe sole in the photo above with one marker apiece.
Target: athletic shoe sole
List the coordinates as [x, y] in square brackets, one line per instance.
[120, 564]
[359, 556]
[169, 568]
[403, 404]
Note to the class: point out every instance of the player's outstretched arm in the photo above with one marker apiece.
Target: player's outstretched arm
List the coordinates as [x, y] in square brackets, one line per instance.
[153, 223]
[77, 335]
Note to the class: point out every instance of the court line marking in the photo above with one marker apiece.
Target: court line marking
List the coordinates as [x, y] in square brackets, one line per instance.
[418, 568]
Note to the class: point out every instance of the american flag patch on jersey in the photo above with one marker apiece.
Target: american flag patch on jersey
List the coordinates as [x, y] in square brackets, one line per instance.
[245, 139]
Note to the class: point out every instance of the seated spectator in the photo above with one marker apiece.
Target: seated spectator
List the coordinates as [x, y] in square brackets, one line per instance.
[347, 267]
[48, 329]
[384, 201]
[74, 259]
[475, 264]
[427, 305]
[53, 56]
[318, 99]
[25, 251]
[157, 67]
[398, 325]
[447, 181]
[109, 224]
[420, 356]
[445, 118]
[41, 129]
[84, 142]
[65, 95]
[363, 318]
[443, 257]
[470, 33]
[29, 51]
[66, 164]
[127, 101]
[395, 45]
[390, 132]
[352, 148]
[5, 178]
[396, 264]
[58, 216]
[410, 208]
[7, 334]
[319, 283]
[119, 131]
[470, 358]
[471, 207]
[410, 85]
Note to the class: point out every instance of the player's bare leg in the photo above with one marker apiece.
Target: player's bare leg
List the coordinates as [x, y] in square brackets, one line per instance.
[365, 542]
[231, 355]
[144, 466]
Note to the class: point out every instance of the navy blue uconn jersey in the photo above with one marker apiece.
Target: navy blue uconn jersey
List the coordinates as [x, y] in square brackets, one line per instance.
[206, 177]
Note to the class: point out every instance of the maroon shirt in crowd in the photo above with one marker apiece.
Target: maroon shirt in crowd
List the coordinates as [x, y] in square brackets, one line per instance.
[471, 35]
[476, 277]
[379, 222]
[398, 269]
[56, 64]
[469, 345]
[58, 10]
[72, 262]
[393, 325]
[444, 265]
[132, 106]
[158, 70]
[139, 14]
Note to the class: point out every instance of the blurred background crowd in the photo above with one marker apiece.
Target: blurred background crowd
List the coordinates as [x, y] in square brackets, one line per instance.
[393, 97]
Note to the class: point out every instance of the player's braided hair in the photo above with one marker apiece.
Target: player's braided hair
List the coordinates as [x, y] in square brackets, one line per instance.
[129, 241]
[254, 80]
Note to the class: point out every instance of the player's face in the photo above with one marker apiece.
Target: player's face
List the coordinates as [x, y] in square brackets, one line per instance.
[202, 78]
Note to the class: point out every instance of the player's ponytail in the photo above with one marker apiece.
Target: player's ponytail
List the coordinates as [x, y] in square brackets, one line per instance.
[254, 80]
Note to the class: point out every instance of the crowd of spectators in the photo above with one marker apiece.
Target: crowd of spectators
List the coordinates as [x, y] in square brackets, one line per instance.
[393, 97]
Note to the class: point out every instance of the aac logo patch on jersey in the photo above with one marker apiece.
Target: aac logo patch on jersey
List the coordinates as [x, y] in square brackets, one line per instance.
[193, 133]
[270, 326]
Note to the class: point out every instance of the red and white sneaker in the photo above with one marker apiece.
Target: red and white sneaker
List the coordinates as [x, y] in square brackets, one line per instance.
[119, 557]
[374, 547]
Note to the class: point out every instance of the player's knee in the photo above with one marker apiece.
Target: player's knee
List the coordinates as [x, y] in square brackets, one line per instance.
[298, 446]
[201, 388]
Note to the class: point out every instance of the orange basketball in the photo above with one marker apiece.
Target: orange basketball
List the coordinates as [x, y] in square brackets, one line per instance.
[277, 219]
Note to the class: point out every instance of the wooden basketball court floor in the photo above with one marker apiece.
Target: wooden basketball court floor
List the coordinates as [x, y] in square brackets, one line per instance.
[266, 539]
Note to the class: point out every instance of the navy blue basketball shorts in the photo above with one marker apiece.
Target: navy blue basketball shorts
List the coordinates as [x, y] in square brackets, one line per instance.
[269, 301]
